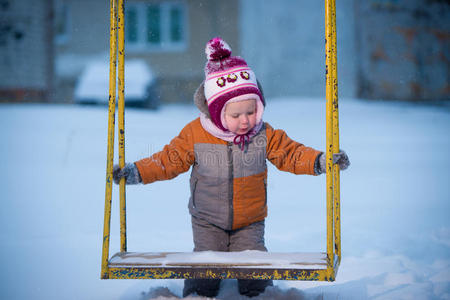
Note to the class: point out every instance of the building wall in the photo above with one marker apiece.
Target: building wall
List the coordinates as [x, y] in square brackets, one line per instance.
[26, 54]
[88, 27]
[403, 49]
[178, 73]
[284, 41]
[181, 73]
[387, 49]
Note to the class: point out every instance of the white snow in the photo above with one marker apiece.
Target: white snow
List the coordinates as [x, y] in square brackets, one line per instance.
[241, 259]
[395, 201]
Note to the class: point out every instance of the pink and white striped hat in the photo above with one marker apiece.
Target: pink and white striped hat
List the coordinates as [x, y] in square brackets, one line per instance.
[228, 79]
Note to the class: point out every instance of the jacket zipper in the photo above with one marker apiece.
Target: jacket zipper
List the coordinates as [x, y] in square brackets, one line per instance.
[265, 192]
[193, 192]
[230, 184]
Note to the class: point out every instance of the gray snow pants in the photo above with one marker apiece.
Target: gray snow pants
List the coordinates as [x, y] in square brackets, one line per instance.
[210, 237]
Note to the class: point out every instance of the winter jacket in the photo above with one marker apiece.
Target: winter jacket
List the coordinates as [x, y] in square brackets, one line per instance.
[228, 185]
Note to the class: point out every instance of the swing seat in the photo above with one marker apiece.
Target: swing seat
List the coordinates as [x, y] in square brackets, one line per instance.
[249, 264]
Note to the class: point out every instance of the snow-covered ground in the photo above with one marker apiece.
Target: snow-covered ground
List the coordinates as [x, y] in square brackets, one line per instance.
[395, 201]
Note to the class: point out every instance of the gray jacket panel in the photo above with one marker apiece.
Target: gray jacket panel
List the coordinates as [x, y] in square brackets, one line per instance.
[215, 167]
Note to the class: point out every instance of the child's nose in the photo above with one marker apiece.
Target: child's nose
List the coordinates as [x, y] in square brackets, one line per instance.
[244, 119]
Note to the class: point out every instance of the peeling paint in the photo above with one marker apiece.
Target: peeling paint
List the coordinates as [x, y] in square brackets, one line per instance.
[221, 273]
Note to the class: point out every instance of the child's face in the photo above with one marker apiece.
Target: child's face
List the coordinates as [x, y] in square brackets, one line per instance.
[240, 116]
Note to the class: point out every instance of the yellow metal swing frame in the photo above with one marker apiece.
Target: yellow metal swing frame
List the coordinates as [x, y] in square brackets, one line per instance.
[321, 266]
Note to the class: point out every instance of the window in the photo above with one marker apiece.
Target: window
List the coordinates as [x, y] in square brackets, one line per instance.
[155, 27]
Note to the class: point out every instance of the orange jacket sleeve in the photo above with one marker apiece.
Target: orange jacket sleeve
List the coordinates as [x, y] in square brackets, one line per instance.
[175, 158]
[289, 155]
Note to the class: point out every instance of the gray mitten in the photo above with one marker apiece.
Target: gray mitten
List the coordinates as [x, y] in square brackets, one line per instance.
[129, 172]
[340, 158]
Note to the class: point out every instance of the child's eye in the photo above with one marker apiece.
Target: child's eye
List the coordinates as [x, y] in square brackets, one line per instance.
[250, 113]
[235, 116]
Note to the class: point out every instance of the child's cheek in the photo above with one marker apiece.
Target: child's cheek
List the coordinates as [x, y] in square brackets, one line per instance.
[227, 121]
[233, 125]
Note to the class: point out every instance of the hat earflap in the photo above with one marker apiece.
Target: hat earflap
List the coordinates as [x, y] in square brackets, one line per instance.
[202, 105]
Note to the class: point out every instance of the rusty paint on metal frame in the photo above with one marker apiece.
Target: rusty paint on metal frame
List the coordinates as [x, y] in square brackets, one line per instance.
[221, 273]
[121, 117]
[110, 147]
[330, 62]
[334, 101]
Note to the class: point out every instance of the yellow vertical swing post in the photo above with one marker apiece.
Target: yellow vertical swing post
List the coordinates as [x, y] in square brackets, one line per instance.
[336, 174]
[110, 148]
[332, 137]
[121, 117]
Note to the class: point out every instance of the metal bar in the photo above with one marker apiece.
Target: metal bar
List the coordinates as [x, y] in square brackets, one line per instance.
[110, 148]
[335, 113]
[121, 117]
[221, 273]
[329, 13]
[337, 263]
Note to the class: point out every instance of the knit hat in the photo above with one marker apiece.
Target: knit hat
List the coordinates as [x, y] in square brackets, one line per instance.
[228, 79]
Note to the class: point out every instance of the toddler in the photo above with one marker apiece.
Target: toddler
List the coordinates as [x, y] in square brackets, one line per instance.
[227, 147]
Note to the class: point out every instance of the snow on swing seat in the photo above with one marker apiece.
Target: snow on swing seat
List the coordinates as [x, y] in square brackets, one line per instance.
[208, 259]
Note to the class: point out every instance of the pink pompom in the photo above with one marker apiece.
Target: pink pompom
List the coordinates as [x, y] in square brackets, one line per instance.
[217, 49]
